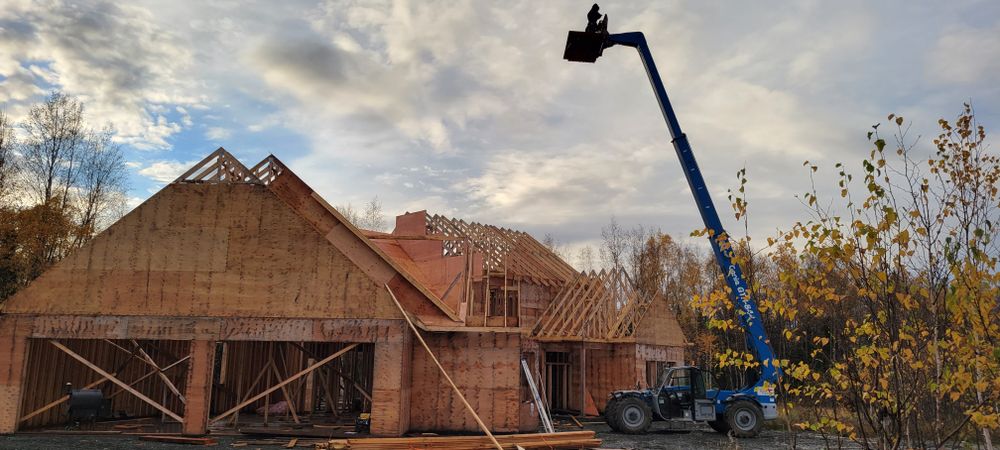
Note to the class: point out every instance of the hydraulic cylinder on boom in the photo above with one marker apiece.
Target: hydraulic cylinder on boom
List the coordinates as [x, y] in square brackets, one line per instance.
[684, 392]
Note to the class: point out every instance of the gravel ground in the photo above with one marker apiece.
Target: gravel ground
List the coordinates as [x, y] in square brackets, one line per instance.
[658, 439]
[704, 438]
[74, 442]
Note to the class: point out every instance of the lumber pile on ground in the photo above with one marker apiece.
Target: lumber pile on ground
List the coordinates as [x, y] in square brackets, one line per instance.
[171, 439]
[565, 440]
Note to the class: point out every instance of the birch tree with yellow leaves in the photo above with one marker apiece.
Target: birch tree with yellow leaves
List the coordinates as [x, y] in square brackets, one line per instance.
[883, 304]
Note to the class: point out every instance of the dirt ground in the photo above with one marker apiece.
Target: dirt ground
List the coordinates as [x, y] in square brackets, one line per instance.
[658, 439]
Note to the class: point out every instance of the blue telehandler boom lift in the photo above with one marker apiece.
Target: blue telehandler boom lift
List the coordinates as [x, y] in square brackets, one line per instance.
[684, 393]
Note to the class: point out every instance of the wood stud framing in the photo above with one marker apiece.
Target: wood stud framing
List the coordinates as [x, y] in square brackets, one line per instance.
[597, 306]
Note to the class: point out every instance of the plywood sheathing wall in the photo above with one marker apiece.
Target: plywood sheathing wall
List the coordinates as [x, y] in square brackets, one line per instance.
[674, 355]
[484, 366]
[13, 353]
[231, 250]
[379, 267]
[611, 367]
[659, 326]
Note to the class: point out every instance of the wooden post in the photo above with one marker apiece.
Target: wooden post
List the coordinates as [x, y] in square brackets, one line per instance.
[198, 390]
[583, 379]
[14, 354]
[505, 291]
[308, 405]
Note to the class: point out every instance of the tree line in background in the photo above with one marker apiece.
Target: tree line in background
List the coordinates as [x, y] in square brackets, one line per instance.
[61, 182]
[883, 303]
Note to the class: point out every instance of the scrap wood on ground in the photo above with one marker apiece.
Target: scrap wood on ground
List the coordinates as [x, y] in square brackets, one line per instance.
[564, 440]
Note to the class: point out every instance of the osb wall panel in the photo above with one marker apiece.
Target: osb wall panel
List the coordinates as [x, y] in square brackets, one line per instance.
[659, 326]
[484, 366]
[48, 369]
[610, 368]
[208, 250]
[391, 386]
[669, 354]
[534, 300]
[13, 351]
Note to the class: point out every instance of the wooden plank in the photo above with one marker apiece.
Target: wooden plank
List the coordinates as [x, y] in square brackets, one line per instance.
[286, 381]
[166, 380]
[179, 440]
[312, 356]
[200, 164]
[284, 393]
[114, 380]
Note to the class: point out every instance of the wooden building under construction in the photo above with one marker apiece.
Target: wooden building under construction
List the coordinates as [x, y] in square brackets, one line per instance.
[234, 290]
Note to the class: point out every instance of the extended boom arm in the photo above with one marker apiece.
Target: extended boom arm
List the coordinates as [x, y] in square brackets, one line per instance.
[587, 47]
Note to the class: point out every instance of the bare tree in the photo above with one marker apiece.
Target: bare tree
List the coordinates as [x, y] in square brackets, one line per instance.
[550, 242]
[102, 184]
[373, 218]
[8, 160]
[54, 137]
[370, 218]
[614, 245]
[350, 213]
[585, 259]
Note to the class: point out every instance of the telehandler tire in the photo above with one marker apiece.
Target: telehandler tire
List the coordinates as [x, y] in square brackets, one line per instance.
[744, 418]
[611, 414]
[633, 416]
[720, 425]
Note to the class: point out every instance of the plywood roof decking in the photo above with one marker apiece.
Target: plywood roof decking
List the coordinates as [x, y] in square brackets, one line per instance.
[504, 250]
[595, 306]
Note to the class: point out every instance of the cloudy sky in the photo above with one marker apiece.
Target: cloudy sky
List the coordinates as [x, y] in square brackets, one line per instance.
[466, 107]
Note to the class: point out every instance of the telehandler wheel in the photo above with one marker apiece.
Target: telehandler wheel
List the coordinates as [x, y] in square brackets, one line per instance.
[744, 418]
[720, 426]
[633, 416]
[611, 414]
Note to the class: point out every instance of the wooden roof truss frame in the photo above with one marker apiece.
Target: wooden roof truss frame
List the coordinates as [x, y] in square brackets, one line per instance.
[504, 250]
[597, 306]
[267, 169]
[218, 167]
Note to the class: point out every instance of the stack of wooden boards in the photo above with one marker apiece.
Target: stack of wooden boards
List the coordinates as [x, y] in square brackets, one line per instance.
[565, 440]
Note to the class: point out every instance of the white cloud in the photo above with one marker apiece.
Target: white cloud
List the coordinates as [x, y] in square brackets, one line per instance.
[966, 55]
[218, 134]
[114, 56]
[468, 108]
[165, 171]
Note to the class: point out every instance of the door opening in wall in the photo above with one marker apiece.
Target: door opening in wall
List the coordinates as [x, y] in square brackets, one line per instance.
[557, 376]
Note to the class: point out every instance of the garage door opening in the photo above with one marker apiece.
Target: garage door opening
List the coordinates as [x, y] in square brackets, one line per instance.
[266, 383]
[83, 383]
[140, 385]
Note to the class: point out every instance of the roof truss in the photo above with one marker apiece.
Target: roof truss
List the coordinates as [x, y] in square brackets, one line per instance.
[502, 248]
[595, 306]
[218, 167]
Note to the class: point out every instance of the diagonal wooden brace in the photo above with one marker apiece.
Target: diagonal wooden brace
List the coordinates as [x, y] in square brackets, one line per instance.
[115, 380]
[271, 389]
